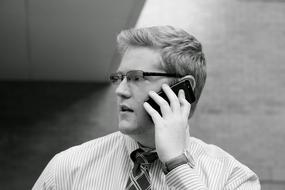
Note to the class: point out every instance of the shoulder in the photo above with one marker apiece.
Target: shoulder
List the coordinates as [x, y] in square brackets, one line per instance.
[210, 157]
[64, 166]
[81, 155]
[200, 148]
[95, 146]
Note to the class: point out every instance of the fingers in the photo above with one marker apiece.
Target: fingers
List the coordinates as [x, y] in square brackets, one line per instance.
[177, 104]
[174, 101]
[163, 104]
[185, 105]
[152, 112]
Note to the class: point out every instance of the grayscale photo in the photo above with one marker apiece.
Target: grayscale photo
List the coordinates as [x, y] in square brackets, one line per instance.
[142, 95]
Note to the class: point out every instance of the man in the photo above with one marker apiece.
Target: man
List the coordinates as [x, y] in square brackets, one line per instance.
[153, 148]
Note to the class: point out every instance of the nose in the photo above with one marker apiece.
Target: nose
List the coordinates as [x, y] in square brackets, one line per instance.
[123, 89]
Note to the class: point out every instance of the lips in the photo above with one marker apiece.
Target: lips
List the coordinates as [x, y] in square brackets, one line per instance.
[125, 108]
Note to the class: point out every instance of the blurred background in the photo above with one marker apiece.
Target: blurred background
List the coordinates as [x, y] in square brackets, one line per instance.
[56, 56]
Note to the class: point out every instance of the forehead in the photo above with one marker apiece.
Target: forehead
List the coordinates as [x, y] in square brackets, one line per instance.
[141, 58]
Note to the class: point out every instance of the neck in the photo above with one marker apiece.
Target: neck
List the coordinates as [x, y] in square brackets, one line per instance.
[145, 139]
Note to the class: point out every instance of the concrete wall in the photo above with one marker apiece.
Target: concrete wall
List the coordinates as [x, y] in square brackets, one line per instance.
[242, 107]
[40, 119]
[62, 39]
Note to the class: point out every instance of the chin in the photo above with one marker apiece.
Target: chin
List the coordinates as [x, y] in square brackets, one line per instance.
[126, 127]
[130, 128]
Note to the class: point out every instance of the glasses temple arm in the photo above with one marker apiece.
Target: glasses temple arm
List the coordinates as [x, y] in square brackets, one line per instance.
[161, 74]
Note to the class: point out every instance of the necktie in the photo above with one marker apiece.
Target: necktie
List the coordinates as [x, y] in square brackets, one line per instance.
[139, 178]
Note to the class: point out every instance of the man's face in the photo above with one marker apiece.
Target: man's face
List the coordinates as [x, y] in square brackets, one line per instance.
[133, 119]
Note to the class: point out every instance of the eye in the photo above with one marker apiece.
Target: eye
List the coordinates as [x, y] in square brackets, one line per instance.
[137, 78]
[115, 78]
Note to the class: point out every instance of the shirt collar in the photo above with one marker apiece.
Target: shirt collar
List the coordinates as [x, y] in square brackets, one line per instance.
[133, 145]
[130, 143]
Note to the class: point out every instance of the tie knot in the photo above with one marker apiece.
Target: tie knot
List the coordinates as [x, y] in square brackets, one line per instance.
[141, 157]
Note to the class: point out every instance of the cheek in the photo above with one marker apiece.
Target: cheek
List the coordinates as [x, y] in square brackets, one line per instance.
[140, 96]
[142, 118]
[141, 114]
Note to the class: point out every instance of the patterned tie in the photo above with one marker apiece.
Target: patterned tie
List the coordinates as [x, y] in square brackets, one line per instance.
[139, 178]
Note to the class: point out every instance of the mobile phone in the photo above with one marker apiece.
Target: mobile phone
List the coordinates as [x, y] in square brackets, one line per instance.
[182, 84]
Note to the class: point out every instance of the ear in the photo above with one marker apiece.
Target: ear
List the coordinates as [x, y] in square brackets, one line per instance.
[191, 79]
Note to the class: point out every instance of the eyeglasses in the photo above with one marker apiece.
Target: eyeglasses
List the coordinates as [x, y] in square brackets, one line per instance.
[137, 75]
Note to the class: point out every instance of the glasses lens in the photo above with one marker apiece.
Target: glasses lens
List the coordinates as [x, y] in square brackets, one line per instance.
[115, 77]
[135, 75]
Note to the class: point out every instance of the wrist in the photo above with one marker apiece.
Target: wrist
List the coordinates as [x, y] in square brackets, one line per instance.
[171, 156]
[184, 158]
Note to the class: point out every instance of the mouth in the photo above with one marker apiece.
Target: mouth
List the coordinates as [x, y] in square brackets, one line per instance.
[124, 108]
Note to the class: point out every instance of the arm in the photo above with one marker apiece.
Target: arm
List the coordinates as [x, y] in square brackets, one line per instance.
[171, 136]
[242, 178]
[184, 177]
[46, 181]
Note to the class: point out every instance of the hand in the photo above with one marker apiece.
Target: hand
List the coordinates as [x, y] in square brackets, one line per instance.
[171, 129]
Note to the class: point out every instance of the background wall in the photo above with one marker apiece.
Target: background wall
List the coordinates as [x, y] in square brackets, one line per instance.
[241, 109]
[39, 119]
[62, 40]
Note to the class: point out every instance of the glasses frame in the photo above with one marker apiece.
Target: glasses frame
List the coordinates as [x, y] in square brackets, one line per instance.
[143, 74]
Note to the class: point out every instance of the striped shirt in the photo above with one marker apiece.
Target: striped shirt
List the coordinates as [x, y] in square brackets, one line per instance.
[105, 163]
